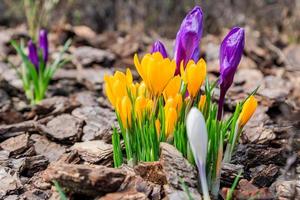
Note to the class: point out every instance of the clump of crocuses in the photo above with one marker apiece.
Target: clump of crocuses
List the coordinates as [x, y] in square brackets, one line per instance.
[36, 71]
[174, 103]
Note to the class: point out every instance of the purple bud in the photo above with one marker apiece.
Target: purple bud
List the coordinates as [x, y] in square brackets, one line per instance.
[231, 52]
[32, 54]
[159, 47]
[188, 38]
[43, 44]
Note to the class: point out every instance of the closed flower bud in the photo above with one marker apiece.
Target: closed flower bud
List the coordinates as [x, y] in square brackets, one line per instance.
[159, 47]
[140, 106]
[188, 38]
[249, 108]
[124, 108]
[43, 44]
[231, 51]
[201, 103]
[194, 76]
[171, 119]
[33, 54]
[115, 87]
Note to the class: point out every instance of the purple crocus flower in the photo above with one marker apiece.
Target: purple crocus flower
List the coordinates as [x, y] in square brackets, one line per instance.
[159, 47]
[33, 54]
[231, 51]
[43, 44]
[188, 38]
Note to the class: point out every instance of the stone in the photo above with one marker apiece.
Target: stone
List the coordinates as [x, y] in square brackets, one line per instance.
[16, 145]
[54, 106]
[99, 122]
[176, 167]
[52, 151]
[87, 56]
[264, 175]
[96, 151]
[9, 180]
[286, 189]
[65, 128]
[90, 180]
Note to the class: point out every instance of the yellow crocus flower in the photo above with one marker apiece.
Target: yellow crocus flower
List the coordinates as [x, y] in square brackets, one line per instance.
[249, 108]
[202, 102]
[194, 76]
[142, 90]
[157, 126]
[124, 109]
[155, 71]
[172, 88]
[171, 119]
[140, 105]
[115, 86]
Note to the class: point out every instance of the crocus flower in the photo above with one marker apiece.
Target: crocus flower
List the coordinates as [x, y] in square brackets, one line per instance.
[116, 86]
[124, 109]
[155, 71]
[140, 106]
[188, 38]
[171, 119]
[194, 76]
[249, 108]
[32, 54]
[201, 103]
[198, 139]
[231, 51]
[172, 88]
[43, 44]
[159, 47]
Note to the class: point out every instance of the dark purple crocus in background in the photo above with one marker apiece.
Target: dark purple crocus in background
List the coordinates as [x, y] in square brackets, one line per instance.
[43, 47]
[43, 43]
[231, 51]
[33, 54]
[159, 47]
[188, 38]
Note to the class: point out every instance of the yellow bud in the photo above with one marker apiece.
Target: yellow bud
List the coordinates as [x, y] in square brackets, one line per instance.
[157, 126]
[171, 119]
[140, 105]
[142, 89]
[202, 102]
[128, 77]
[172, 88]
[155, 71]
[178, 102]
[124, 108]
[249, 108]
[183, 73]
[195, 76]
[115, 86]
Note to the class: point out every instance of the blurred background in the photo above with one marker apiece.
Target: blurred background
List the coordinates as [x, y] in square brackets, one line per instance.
[272, 17]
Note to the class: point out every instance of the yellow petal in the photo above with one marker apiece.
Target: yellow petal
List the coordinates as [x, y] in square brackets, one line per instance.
[195, 76]
[249, 108]
[202, 102]
[157, 126]
[173, 87]
[140, 105]
[171, 119]
[128, 76]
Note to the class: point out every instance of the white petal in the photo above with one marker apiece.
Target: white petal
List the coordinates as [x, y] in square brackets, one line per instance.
[197, 134]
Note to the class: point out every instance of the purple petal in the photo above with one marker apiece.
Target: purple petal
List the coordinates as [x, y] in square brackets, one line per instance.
[231, 52]
[43, 44]
[159, 47]
[32, 54]
[188, 38]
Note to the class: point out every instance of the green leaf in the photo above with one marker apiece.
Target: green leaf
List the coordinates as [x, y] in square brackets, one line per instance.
[60, 191]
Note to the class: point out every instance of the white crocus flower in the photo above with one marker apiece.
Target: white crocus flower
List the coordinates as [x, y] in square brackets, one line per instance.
[197, 134]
